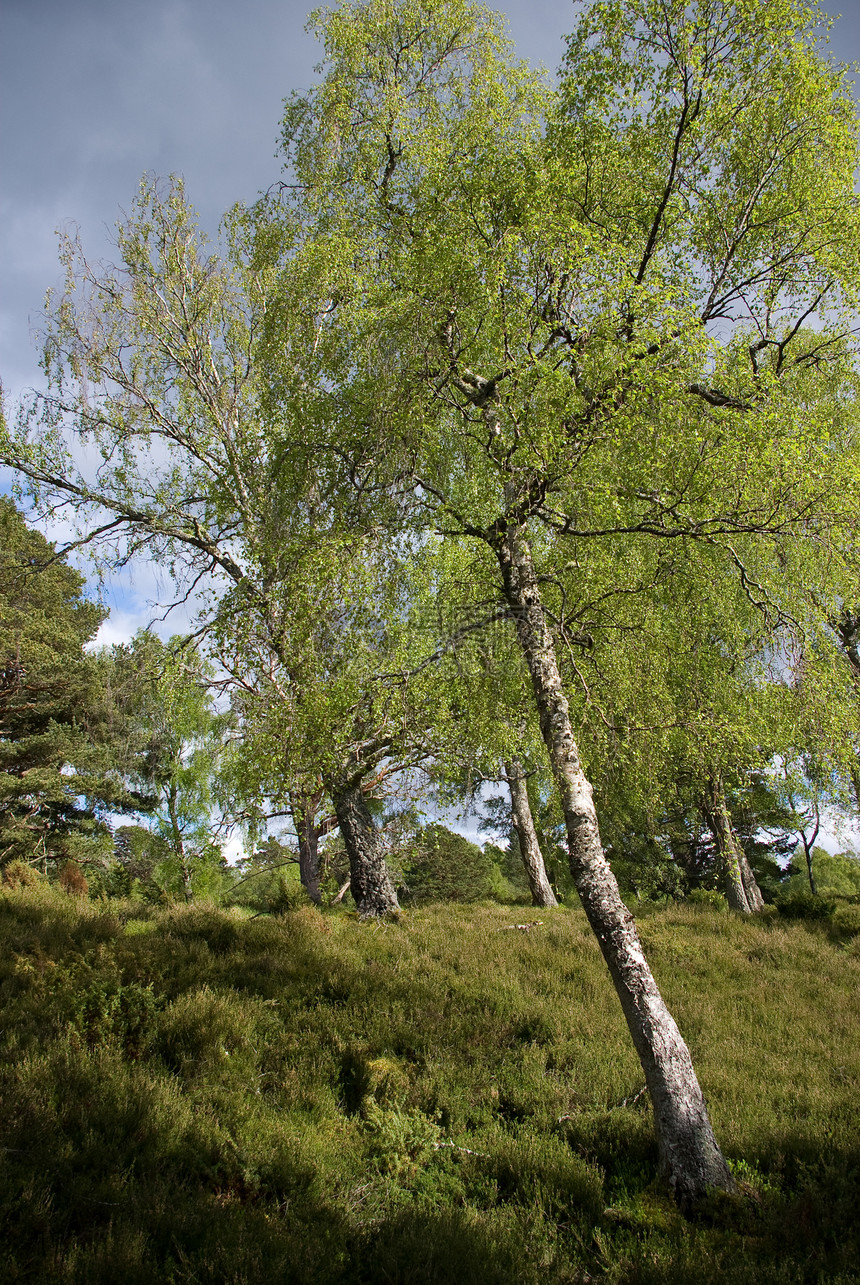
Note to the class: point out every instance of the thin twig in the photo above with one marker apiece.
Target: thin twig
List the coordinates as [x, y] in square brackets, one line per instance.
[437, 1146]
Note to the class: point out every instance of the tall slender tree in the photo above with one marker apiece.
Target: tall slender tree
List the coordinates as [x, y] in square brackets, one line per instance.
[154, 432]
[624, 303]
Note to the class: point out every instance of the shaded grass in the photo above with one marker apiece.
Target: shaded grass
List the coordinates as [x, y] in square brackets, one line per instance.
[188, 1095]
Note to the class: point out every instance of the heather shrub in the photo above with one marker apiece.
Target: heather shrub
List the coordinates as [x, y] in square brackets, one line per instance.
[19, 874]
[799, 904]
[709, 897]
[192, 1095]
[72, 880]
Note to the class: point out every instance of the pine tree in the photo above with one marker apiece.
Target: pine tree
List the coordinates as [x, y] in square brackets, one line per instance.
[59, 777]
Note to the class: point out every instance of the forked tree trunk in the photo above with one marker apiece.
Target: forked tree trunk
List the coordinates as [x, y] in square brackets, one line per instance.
[690, 1158]
[809, 871]
[739, 883]
[369, 880]
[542, 893]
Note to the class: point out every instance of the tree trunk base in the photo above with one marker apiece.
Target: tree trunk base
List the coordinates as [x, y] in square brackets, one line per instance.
[369, 880]
[690, 1158]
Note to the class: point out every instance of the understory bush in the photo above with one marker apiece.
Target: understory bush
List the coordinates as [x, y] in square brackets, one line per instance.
[799, 904]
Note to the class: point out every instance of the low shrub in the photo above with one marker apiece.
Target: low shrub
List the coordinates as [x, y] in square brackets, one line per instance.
[18, 874]
[708, 897]
[806, 905]
[846, 920]
[72, 880]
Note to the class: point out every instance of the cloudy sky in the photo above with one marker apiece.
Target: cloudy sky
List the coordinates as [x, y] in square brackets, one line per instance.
[93, 93]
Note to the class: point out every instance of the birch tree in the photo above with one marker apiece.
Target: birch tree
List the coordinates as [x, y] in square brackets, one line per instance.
[152, 434]
[612, 311]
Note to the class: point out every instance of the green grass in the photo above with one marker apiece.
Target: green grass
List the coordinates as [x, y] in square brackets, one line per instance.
[189, 1095]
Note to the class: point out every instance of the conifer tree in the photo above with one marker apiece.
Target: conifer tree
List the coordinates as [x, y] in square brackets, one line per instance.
[61, 769]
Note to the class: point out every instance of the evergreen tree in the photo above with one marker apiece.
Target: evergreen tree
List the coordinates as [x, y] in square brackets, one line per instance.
[444, 866]
[60, 774]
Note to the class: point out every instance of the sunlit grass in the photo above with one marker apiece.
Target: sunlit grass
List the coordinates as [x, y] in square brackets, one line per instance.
[190, 1095]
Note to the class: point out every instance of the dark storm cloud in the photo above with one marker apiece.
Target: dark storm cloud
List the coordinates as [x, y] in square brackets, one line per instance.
[95, 92]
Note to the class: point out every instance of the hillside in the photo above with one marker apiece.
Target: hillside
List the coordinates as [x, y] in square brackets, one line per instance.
[192, 1096]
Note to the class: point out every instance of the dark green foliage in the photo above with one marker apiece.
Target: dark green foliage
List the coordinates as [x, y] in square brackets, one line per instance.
[267, 880]
[60, 765]
[443, 866]
[766, 829]
[139, 852]
[645, 866]
[669, 856]
[192, 1096]
[139, 855]
[802, 904]
[549, 826]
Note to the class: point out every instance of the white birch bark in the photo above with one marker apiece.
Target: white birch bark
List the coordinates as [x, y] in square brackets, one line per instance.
[690, 1158]
[739, 883]
[539, 885]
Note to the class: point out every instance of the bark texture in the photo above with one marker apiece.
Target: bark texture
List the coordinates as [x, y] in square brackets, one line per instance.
[542, 893]
[369, 880]
[848, 631]
[855, 785]
[753, 891]
[304, 819]
[690, 1158]
[739, 883]
[808, 849]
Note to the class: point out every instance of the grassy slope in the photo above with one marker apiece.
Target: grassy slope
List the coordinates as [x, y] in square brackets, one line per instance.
[187, 1096]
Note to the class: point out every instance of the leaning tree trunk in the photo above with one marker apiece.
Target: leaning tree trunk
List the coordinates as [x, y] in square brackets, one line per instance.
[369, 880]
[690, 1158]
[542, 893]
[753, 891]
[855, 783]
[848, 630]
[742, 892]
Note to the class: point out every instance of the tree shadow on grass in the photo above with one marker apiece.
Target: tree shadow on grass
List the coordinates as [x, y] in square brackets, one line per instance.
[218, 1132]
